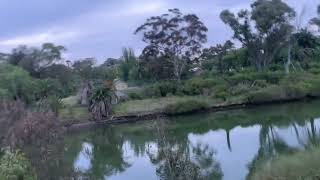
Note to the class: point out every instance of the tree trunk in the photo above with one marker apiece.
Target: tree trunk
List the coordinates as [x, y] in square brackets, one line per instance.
[288, 63]
[177, 69]
[84, 93]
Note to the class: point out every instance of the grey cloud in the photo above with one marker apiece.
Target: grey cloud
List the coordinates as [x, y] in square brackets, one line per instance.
[100, 28]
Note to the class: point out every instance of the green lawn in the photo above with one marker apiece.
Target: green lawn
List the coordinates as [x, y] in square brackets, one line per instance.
[156, 105]
[73, 112]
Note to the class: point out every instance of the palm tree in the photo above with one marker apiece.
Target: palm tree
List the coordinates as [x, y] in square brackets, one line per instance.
[101, 100]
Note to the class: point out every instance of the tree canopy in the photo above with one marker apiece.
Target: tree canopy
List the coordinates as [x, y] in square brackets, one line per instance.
[174, 35]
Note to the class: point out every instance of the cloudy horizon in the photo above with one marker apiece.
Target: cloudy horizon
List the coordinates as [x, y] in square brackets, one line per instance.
[101, 29]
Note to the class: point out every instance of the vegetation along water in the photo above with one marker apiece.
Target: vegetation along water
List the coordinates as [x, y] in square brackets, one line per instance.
[247, 108]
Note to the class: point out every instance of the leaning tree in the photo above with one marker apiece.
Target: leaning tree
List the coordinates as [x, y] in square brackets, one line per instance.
[264, 30]
[173, 36]
[34, 59]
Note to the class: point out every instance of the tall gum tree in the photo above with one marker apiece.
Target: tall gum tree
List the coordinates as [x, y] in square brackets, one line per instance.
[263, 31]
[175, 36]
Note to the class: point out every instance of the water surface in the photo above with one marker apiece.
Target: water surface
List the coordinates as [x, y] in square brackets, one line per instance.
[225, 145]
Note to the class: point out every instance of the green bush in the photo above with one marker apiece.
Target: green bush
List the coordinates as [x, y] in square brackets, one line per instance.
[162, 89]
[314, 90]
[252, 76]
[196, 86]
[278, 93]
[185, 107]
[136, 95]
[14, 165]
[315, 68]
[265, 95]
[241, 88]
[17, 83]
[50, 87]
[221, 90]
[4, 94]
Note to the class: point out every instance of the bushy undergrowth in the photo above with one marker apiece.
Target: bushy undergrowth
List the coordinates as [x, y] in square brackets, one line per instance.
[185, 107]
[162, 89]
[198, 86]
[19, 126]
[252, 87]
[294, 86]
[15, 166]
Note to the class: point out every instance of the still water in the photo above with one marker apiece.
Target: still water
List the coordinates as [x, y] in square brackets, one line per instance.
[224, 145]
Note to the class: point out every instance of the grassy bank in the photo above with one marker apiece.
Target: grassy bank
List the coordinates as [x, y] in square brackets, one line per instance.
[207, 92]
[72, 112]
[300, 166]
[219, 91]
[164, 105]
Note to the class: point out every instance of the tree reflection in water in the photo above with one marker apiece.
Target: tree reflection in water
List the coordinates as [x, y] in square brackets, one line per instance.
[179, 160]
[106, 155]
[272, 145]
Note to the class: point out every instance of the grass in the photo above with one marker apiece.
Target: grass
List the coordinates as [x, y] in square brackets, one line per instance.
[72, 111]
[157, 105]
[70, 101]
[186, 106]
[300, 166]
[237, 90]
[76, 113]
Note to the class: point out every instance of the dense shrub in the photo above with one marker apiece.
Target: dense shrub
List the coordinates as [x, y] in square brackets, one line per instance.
[278, 93]
[51, 103]
[185, 107]
[251, 77]
[314, 88]
[50, 87]
[34, 128]
[241, 88]
[268, 94]
[162, 89]
[197, 86]
[314, 68]
[17, 83]
[14, 165]
[4, 94]
[136, 95]
[20, 126]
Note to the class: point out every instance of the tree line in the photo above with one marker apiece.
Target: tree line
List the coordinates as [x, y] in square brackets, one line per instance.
[269, 40]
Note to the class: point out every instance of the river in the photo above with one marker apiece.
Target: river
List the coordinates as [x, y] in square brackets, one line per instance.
[226, 145]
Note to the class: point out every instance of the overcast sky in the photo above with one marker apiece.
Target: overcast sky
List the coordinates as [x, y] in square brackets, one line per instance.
[101, 28]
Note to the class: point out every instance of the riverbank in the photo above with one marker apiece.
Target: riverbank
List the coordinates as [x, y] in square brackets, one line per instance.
[203, 94]
[152, 115]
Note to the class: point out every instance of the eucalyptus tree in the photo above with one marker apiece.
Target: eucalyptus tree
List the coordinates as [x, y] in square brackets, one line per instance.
[217, 53]
[34, 59]
[175, 36]
[316, 20]
[263, 30]
[304, 47]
